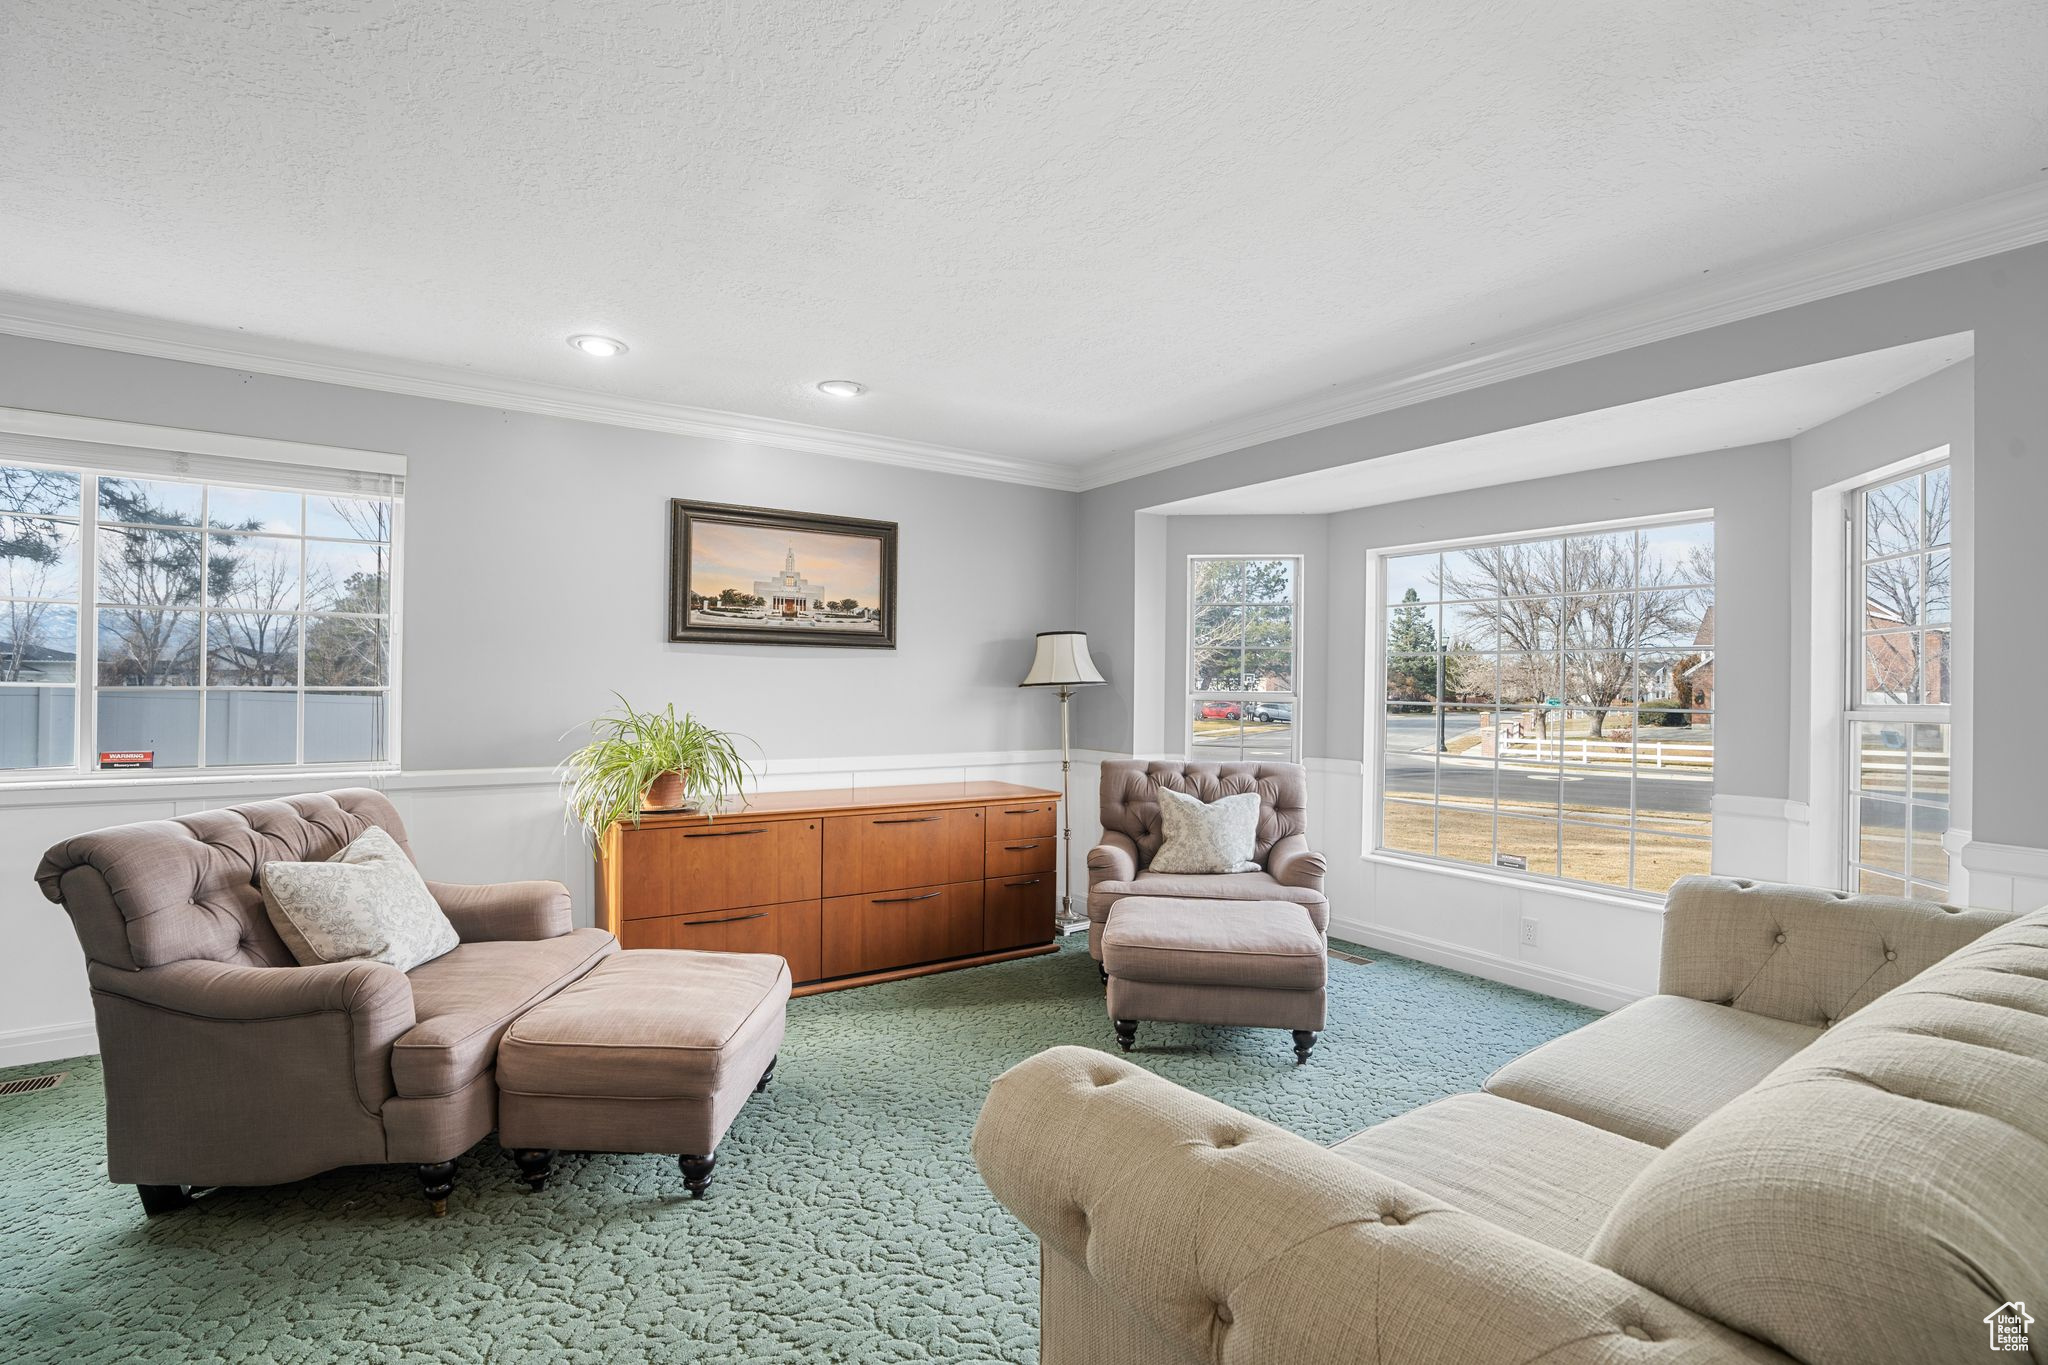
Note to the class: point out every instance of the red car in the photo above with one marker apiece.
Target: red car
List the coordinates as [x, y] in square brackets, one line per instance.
[1219, 710]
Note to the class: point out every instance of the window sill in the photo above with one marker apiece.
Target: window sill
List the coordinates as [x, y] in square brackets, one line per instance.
[74, 789]
[1622, 900]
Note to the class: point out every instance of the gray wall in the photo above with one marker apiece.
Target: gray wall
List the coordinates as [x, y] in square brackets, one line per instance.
[2002, 299]
[535, 564]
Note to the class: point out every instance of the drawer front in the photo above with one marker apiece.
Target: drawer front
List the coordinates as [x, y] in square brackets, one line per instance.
[876, 931]
[893, 850]
[789, 930]
[1023, 820]
[726, 864]
[1011, 856]
[1018, 912]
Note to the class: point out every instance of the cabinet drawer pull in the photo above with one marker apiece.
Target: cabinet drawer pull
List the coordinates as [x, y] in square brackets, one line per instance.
[898, 900]
[910, 820]
[721, 833]
[729, 919]
[1033, 882]
[1028, 810]
[1018, 848]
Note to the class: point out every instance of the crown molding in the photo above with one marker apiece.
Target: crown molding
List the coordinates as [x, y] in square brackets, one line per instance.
[1983, 227]
[78, 325]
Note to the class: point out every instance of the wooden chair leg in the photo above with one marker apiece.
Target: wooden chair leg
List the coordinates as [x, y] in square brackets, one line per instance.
[536, 1165]
[696, 1173]
[437, 1182]
[158, 1199]
[1304, 1039]
[1126, 1033]
[767, 1075]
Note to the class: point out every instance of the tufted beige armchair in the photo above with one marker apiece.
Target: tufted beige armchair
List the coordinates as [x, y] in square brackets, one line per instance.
[229, 1064]
[1290, 870]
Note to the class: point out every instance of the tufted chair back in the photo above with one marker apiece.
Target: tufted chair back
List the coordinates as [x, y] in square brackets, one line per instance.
[1130, 797]
[163, 891]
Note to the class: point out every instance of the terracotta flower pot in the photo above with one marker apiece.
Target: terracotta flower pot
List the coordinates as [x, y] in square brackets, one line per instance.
[664, 793]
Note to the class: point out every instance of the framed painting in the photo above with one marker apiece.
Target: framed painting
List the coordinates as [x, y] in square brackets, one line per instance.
[757, 576]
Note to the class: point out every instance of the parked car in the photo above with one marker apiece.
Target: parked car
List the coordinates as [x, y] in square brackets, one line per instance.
[1279, 711]
[1219, 710]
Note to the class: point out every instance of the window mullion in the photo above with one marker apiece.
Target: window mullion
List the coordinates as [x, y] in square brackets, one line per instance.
[86, 695]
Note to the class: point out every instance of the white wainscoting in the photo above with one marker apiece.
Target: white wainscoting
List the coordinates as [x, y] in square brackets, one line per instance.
[2003, 876]
[480, 825]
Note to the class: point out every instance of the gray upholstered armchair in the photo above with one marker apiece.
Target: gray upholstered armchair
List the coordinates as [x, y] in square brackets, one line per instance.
[228, 1064]
[1290, 870]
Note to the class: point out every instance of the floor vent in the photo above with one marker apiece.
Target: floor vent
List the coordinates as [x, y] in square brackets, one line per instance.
[24, 1085]
[1352, 957]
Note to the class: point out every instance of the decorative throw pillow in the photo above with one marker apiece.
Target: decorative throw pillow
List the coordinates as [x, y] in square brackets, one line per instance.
[1217, 836]
[368, 903]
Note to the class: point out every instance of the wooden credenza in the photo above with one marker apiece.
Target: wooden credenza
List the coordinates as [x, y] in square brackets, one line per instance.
[850, 886]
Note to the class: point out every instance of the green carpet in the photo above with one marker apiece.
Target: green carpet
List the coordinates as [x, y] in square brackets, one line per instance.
[846, 1222]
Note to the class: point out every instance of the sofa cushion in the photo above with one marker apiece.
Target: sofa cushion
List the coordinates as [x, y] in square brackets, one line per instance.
[1540, 1174]
[1228, 886]
[366, 903]
[1272, 945]
[1653, 1069]
[1879, 1194]
[650, 1024]
[464, 1001]
[1206, 837]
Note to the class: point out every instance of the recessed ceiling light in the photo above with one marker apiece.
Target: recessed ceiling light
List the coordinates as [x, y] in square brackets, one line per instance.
[604, 348]
[842, 388]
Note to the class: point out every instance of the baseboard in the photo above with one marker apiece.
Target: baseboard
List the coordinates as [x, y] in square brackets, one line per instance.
[1528, 976]
[55, 1043]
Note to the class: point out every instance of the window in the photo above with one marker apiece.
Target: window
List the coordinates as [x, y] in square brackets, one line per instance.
[1549, 705]
[1243, 688]
[1898, 721]
[175, 623]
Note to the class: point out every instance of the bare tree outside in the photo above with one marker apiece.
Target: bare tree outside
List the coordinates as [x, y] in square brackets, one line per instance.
[1906, 590]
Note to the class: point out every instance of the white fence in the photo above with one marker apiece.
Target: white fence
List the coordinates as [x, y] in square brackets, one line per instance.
[1654, 753]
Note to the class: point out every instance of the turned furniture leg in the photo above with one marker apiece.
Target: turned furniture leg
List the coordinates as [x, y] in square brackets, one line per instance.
[536, 1164]
[696, 1172]
[1304, 1039]
[767, 1075]
[437, 1182]
[158, 1199]
[1126, 1033]
[1103, 972]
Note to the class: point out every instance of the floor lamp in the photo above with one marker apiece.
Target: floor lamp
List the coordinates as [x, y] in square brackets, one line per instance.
[1063, 662]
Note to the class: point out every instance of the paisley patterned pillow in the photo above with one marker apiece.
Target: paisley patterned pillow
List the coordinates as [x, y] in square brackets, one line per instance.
[1215, 837]
[367, 903]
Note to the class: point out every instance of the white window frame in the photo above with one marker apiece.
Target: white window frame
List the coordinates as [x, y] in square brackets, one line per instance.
[1855, 710]
[1187, 660]
[95, 448]
[1380, 612]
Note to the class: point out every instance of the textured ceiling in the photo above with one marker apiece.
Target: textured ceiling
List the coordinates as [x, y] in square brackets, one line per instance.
[1051, 231]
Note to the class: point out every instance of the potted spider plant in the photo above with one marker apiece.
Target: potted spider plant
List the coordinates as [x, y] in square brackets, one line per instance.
[640, 761]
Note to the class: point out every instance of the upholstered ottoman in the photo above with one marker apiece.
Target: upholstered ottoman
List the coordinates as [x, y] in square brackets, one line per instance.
[652, 1051]
[1255, 964]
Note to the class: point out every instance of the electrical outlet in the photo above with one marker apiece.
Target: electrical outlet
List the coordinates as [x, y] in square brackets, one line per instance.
[1530, 926]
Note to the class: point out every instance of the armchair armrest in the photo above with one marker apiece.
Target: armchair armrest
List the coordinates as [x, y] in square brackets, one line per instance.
[1230, 1240]
[504, 910]
[1115, 859]
[1801, 953]
[1291, 862]
[371, 1000]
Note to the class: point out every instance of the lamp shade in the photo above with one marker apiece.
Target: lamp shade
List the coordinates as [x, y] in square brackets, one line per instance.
[1062, 661]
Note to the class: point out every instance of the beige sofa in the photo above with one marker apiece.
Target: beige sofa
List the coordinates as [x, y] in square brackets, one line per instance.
[1827, 1141]
[228, 1064]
